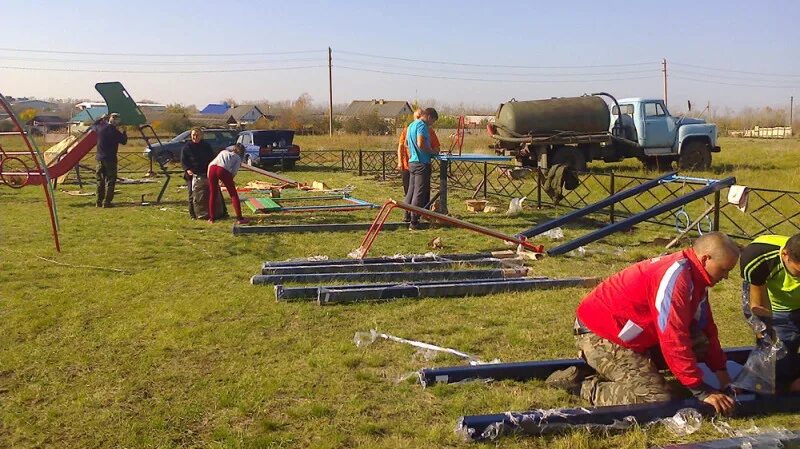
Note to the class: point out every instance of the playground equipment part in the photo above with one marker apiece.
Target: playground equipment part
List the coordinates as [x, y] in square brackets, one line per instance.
[269, 205]
[390, 204]
[32, 162]
[394, 276]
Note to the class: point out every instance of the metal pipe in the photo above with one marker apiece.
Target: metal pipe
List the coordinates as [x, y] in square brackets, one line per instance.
[539, 422]
[385, 259]
[768, 440]
[332, 295]
[372, 234]
[284, 293]
[322, 227]
[642, 216]
[389, 266]
[615, 198]
[399, 276]
[523, 371]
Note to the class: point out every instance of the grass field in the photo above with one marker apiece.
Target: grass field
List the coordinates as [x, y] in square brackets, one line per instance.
[145, 332]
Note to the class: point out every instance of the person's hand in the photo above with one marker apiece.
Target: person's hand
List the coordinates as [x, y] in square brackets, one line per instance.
[722, 403]
[189, 172]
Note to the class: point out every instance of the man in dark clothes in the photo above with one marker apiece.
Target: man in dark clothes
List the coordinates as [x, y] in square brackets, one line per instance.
[108, 140]
[195, 157]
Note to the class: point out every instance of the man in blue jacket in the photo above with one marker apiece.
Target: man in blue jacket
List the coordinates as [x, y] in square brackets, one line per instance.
[109, 137]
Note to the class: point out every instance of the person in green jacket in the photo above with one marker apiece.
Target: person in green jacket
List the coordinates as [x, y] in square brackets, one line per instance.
[771, 271]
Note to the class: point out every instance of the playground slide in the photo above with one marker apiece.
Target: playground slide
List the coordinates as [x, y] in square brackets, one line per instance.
[72, 157]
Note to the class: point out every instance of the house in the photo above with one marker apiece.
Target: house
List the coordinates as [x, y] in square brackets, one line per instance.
[216, 109]
[386, 109]
[43, 124]
[37, 105]
[244, 115]
[145, 107]
[89, 115]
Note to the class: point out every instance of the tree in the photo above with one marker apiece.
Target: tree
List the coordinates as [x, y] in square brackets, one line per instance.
[27, 115]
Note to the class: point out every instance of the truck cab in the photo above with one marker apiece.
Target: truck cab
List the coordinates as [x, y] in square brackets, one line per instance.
[664, 138]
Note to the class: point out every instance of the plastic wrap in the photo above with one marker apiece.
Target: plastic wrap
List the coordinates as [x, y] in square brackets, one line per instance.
[427, 350]
[758, 373]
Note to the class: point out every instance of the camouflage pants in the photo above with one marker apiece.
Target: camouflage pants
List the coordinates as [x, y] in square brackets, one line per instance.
[624, 376]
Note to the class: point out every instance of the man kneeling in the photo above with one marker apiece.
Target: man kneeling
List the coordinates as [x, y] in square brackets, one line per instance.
[660, 303]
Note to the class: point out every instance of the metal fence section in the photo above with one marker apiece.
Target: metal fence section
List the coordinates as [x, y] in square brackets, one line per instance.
[769, 210]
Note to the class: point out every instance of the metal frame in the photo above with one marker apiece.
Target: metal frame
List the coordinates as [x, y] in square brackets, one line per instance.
[539, 422]
[713, 187]
[444, 172]
[390, 204]
[321, 227]
[354, 204]
[382, 259]
[398, 276]
[522, 371]
[608, 201]
[336, 295]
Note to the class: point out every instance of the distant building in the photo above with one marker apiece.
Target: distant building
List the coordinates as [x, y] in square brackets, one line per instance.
[233, 117]
[89, 114]
[386, 109]
[43, 124]
[37, 105]
[477, 120]
[216, 108]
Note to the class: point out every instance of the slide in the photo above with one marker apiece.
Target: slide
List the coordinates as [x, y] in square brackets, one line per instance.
[73, 155]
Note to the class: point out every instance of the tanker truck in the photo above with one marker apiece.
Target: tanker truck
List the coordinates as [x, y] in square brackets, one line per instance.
[577, 130]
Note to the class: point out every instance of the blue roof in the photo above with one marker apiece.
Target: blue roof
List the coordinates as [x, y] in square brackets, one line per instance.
[214, 108]
[90, 114]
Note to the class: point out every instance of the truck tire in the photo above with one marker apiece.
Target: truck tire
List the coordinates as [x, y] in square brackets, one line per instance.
[575, 159]
[695, 156]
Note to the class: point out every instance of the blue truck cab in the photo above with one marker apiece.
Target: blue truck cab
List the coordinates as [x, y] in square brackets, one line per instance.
[664, 138]
[268, 147]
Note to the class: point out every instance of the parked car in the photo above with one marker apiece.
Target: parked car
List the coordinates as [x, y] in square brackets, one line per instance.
[267, 147]
[170, 151]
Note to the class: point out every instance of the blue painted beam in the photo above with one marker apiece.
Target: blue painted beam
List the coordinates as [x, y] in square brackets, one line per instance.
[333, 295]
[615, 198]
[522, 371]
[389, 266]
[642, 216]
[395, 276]
[541, 422]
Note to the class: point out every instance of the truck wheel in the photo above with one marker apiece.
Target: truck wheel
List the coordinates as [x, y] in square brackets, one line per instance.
[695, 156]
[575, 159]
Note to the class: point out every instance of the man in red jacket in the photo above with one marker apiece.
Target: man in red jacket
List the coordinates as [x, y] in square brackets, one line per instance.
[660, 303]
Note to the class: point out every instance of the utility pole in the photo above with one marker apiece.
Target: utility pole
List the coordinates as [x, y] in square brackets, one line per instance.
[330, 92]
[791, 111]
[664, 69]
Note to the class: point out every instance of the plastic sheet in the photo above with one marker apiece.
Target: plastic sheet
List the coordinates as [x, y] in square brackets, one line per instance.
[685, 422]
[552, 234]
[758, 374]
[515, 206]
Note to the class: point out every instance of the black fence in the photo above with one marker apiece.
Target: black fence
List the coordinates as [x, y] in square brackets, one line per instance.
[769, 210]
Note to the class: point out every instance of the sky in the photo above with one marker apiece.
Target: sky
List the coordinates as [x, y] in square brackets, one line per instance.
[731, 54]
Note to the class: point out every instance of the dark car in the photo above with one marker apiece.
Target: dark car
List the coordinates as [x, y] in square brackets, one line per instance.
[170, 151]
[267, 147]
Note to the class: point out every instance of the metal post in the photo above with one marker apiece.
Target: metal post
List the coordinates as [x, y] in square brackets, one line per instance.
[342, 160]
[664, 69]
[538, 188]
[330, 91]
[716, 210]
[360, 162]
[485, 179]
[612, 190]
[383, 165]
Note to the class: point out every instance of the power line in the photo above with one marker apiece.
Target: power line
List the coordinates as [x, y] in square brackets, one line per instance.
[732, 84]
[494, 65]
[466, 72]
[95, 61]
[735, 71]
[416, 75]
[734, 77]
[62, 52]
[162, 72]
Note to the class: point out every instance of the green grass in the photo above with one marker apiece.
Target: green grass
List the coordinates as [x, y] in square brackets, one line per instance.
[181, 351]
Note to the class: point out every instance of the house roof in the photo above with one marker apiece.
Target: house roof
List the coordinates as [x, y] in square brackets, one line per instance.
[89, 114]
[209, 119]
[35, 104]
[240, 111]
[216, 108]
[384, 108]
[47, 119]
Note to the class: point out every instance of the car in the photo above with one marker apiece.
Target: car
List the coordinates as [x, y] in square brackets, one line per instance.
[218, 138]
[267, 147]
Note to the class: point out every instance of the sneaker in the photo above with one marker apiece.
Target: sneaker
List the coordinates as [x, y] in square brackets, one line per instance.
[210, 221]
[569, 379]
[242, 221]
